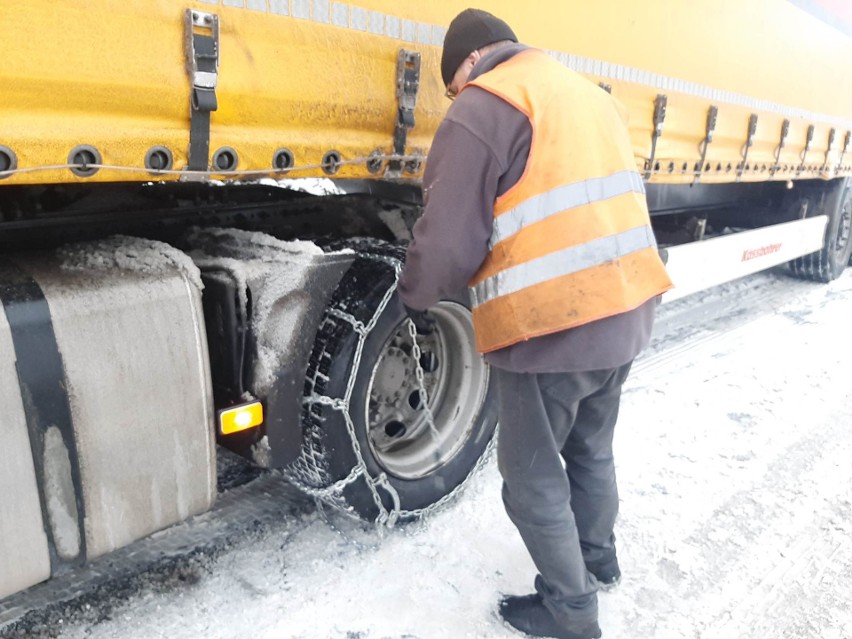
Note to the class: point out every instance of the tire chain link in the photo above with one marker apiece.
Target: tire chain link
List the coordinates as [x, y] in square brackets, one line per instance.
[387, 518]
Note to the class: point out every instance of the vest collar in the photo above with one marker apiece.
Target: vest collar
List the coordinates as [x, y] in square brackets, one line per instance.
[492, 59]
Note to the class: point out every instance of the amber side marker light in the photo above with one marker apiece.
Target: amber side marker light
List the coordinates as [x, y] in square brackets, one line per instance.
[239, 418]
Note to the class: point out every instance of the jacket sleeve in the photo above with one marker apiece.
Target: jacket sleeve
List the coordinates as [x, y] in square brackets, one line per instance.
[451, 237]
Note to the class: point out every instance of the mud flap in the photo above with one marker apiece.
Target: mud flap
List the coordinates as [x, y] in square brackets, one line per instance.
[276, 293]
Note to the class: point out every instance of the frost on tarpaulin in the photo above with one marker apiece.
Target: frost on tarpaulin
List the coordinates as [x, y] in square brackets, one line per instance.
[278, 274]
[133, 254]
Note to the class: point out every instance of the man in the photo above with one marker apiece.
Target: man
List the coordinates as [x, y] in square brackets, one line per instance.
[532, 199]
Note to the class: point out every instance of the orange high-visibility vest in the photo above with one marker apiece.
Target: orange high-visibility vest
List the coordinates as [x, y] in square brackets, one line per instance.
[572, 241]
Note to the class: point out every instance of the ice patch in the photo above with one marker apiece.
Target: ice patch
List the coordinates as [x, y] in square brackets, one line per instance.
[261, 452]
[314, 186]
[251, 245]
[393, 220]
[134, 254]
[59, 493]
[311, 186]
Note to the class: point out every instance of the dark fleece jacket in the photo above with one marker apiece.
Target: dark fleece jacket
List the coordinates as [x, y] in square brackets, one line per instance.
[480, 151]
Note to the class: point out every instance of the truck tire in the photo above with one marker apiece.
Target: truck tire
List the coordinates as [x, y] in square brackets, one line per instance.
[828, 263]
[422, 465]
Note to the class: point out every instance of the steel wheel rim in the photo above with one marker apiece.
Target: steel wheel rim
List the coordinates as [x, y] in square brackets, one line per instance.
[397, 430]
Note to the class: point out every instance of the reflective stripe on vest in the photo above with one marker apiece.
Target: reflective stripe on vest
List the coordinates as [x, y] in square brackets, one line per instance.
[570, 196]
[561, 263]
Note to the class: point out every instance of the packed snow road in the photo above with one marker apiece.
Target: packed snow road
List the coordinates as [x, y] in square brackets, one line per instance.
[733, 453]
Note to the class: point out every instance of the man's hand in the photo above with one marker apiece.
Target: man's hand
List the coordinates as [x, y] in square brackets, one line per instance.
[423, 321]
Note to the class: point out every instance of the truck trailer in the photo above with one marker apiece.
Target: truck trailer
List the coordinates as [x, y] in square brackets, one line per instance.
[204, 207]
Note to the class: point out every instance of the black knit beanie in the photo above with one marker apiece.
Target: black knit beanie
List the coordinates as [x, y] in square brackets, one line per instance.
[470, 30]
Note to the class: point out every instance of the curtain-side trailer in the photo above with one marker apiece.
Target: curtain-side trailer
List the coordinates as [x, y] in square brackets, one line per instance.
[204, 207]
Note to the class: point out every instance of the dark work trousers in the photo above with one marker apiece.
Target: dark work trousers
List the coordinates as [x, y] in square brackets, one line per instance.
[565, 514]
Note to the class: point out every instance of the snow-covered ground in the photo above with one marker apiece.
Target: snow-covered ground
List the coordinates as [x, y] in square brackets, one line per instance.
[733, 451]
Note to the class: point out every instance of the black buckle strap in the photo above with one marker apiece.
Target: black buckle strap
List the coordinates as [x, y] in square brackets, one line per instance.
[407, 85]
[202, 57]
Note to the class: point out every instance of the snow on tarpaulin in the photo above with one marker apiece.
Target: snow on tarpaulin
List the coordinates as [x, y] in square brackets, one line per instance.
[278, 275]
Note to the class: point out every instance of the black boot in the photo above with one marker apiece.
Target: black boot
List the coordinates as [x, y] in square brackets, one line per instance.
[529, 614]
[607, 573]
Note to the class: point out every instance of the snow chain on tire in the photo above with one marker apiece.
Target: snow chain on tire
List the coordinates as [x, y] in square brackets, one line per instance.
[333, 494]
